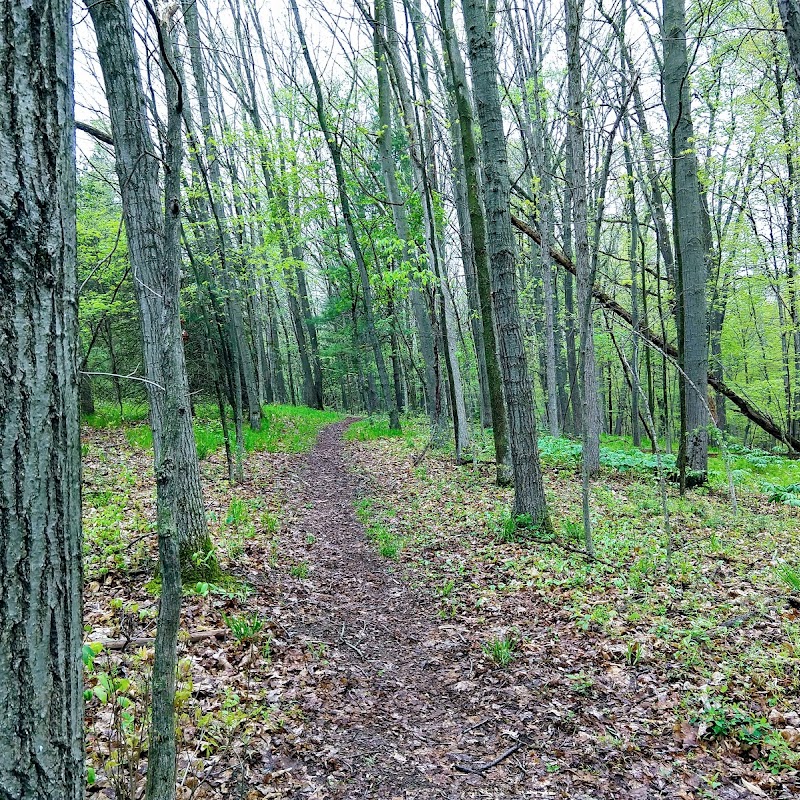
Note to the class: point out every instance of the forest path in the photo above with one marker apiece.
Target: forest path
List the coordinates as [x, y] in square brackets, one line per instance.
[385, 710]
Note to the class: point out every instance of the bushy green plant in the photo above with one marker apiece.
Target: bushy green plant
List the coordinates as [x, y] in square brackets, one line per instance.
[299, 570]
[500, 649]
[790, 576]
[244, 628]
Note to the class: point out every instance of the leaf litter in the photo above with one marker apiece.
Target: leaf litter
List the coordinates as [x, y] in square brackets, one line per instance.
[381, 677]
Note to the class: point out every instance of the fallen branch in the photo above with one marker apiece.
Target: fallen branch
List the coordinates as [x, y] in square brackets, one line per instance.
[479, 768]
[763, 420]
[144, 641]
[417, 460]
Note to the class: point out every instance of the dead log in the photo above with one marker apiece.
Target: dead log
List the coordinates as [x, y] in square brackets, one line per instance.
[760, 418]
[146, 641]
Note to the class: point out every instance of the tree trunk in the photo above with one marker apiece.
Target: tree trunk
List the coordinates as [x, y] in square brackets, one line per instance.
[156, 270]
[790, 16]
[690, 289]
[161, 754]
[420, 138]
[41, 699]
[529, 496]
[478, 226]
[590, 394]
[336, 156]
[421, 317]
[235, 319]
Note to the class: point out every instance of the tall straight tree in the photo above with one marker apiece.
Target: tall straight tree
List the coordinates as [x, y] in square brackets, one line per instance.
[456, 71]
[432, 372]
[585, 264]
[690, 250]
[41, 693]
[156, 269]
[529, 496]
[423, 164]
[335, 149]
[233, 292]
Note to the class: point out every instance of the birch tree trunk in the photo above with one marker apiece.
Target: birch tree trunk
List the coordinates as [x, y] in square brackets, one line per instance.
[41, 692]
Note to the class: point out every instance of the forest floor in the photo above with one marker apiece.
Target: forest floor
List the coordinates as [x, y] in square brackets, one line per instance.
[383, 632]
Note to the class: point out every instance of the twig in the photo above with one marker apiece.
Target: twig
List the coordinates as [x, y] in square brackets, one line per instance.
[143, 641]
[476, 725]
[502, 757]
[418, 459]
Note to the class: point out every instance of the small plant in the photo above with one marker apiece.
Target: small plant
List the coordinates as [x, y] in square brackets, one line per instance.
[790, 576]
[633, 654]
[299, 570]
[515, 528]
[120, 699]
[446, 589]
[573, 531]
[244, 629]
[581, 683]
[500, 649]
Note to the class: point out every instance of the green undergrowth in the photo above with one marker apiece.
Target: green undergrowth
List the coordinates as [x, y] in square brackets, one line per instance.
[751, 469]
[711, 623]
[412, 430]
[284, 429]
[376, 518]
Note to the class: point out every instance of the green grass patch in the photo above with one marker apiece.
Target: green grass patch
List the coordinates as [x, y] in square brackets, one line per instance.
[288, 429]
[375, 517]
[284, 429]
[110, 415]
[366, 430]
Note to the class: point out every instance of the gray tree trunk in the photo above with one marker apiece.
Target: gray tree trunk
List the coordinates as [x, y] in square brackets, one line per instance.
[790, 16]
[156, 270]
[534, 136]
[235, 318]
[161, 753]
[336, 156]
[690, 255]
[420, 138]
[478, 228]
[400, 217]
[590, 393]
[41, 692]
[529, 496]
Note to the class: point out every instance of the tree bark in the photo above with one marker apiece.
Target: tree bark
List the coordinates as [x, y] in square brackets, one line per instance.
[529, 496]
[41, 692]
[478, 224]
[334, 148]
[156, 270]
[690, 255]
[590, 395]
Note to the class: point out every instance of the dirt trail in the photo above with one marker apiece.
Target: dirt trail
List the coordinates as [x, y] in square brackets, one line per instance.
[390, 707]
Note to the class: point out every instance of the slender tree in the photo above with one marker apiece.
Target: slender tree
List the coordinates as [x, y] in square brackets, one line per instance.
[335, 150]
[156, 270]
[690, 250]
